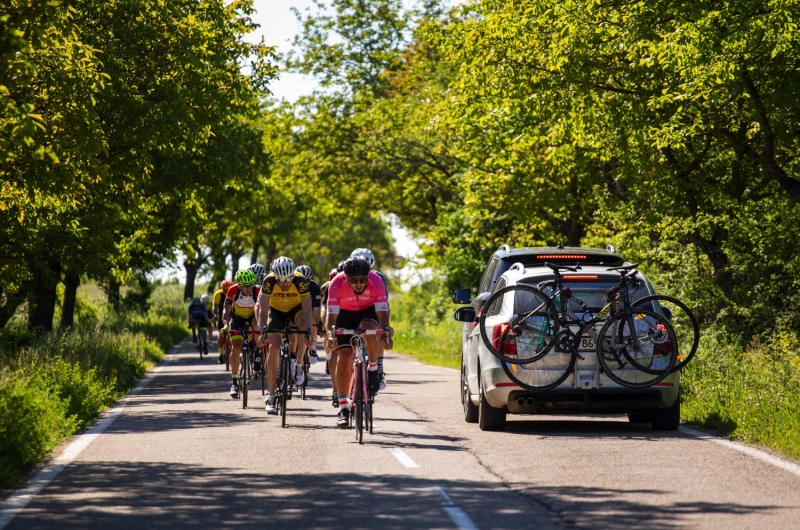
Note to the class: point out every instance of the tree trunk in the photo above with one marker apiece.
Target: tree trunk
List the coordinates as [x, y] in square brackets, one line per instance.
[254, 255]
[112, 292]
[191, 274]
[72, 280]
[235, 257]
[42, 295]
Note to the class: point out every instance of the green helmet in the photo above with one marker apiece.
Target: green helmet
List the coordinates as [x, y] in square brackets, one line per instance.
[245, 277]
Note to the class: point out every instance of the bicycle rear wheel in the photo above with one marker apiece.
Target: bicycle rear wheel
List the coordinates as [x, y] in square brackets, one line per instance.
[306, 369]
[368, 413]
[244, 378]
[636, 350]
[546, 373]
[683, 321]
[528, 315]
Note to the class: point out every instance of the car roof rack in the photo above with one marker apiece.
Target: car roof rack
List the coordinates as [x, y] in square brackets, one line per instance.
[504, 248]
[518, 267]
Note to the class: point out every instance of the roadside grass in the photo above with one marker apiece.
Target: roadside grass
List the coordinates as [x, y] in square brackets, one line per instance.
[749, 393]
[54, 385]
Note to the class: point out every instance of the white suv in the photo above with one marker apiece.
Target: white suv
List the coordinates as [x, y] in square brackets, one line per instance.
[490, 388]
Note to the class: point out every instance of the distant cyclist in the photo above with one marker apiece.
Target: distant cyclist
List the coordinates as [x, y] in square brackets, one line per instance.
[356, 299]
[316, 305]
[284, 300]
[330, 353]
[198, 318]
[370, 257]
[240, 303]
[218, 307]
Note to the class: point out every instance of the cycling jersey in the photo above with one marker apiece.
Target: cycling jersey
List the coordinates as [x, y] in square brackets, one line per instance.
[316, 294]
[342, 297]
[219, 297]
[198, 313]
[324, 291]
[243, 306]
[289, 299]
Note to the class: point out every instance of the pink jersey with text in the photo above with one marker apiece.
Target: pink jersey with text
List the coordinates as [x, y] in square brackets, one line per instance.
[342, 296]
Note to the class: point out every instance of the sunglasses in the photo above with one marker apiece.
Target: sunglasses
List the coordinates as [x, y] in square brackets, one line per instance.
[356, 280]
[285, 280]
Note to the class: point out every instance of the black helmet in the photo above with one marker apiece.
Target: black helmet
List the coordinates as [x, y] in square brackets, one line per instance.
[340, 268]
[356, 266]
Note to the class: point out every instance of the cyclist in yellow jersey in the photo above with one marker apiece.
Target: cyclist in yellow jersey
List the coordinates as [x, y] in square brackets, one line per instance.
[284, 299]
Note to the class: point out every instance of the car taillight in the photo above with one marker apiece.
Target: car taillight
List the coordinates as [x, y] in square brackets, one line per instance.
[667, 346]
[571, 257]
[580, 277]
[509, 347]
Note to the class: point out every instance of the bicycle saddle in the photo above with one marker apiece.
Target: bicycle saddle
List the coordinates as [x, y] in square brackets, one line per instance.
[556, 268]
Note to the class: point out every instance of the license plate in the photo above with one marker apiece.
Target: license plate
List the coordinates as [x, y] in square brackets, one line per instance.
[587, 344]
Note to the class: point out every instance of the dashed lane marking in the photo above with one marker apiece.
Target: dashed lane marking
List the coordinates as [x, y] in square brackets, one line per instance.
[456, 514]
[403, 458]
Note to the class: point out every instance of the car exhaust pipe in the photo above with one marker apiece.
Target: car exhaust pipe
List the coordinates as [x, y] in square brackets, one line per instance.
[520, 401]
[530, 401]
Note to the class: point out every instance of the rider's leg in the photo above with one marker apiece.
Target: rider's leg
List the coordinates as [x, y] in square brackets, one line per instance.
[273, 360]
[300, 344]
[372, 344]
[344, 367]
[194, 333]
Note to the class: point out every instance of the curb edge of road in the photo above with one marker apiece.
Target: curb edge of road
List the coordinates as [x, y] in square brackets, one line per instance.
[52, 466]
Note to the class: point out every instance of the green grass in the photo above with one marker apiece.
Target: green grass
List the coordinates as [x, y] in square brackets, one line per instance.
[54, 385]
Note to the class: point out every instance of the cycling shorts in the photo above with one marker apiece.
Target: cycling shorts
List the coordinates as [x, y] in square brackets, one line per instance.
[239, 325]
[352, 320]
[280, 319]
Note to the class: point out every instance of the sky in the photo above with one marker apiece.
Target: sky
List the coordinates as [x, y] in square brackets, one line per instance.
[278, 26]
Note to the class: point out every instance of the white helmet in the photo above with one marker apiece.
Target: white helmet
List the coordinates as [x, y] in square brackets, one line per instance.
[366, 254]
[306, 271]
[283, 268]
[205, 298]
[259, 270]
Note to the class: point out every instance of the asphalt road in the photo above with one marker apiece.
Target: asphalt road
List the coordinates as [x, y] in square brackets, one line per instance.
[184, 454]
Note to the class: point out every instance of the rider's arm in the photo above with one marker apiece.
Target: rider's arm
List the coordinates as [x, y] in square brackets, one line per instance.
[263, 309]
[307, 313]
[226, 316]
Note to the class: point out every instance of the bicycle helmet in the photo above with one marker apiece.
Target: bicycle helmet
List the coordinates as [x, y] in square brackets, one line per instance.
[245, 277]
[356, 266]
[332, 274]
[306, 271]
[340, 268]
[258, 269]
[196, 301]
[205, 298]
[283, 268]
[366, 254]
[225, 285]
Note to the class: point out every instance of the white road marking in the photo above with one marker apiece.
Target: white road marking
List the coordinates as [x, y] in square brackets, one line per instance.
[791, 467]
[19, 499]
[456, 514]
[403, 458]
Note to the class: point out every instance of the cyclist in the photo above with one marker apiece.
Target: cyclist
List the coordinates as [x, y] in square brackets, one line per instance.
[219, 301]
[240, 303]
[198, 318]
[260, 272]
[284, 299]
[356, 299]
[370, 257]
[330, 354]
[316, 304]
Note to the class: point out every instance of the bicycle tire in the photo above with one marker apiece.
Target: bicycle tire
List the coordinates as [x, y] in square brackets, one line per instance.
[547, 373]
[200, 344]
[263, 372]
[244, 378]
[539, 329]
[227, 355]
[688, 320]
[284, 389]
[359, 409]
[370, 414]
[635, 370]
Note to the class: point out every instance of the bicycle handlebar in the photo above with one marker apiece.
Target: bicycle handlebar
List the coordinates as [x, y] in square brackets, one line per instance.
[286, 331]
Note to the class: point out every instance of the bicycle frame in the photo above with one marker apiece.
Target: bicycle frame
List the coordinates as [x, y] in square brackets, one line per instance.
[358, 383]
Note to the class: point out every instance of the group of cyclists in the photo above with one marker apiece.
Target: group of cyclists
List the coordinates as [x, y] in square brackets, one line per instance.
[263, 304]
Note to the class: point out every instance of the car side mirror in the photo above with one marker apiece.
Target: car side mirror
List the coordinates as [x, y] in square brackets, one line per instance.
[465, 314]
[462, 296]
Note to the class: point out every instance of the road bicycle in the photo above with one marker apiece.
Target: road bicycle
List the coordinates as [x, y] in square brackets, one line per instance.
[285, 379]
[202, 342]
[246, 365]
[363, 402]
[544, 337]
[306, 370]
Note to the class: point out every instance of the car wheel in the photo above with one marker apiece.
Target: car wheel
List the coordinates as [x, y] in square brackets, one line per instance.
[668, 419]
[639, 417]
[489, 418]
[470, 410]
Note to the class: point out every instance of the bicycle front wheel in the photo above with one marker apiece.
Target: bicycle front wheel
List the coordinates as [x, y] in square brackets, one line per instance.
[359, 405]
[526, 316]
[683, 321]
[284, 382]
[244, 378]
[636, 349]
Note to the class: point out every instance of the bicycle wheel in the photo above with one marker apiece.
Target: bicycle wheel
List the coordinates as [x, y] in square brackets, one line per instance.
[263, 372]
[200, 344]
[227, 354]
[284, 383]
[306, 370]
[636, 350]
[525, 312]
[359, 410]
[244, 378]
[548, 372]
[368, 413]
[683, 321]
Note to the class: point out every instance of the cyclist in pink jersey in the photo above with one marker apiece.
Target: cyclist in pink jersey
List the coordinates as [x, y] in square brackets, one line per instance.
[356, 299]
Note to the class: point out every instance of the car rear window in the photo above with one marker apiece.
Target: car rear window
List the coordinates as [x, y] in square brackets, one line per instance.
[593, 294]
